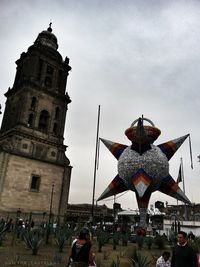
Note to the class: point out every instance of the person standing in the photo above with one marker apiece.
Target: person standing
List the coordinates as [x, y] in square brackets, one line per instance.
[163, 261]
[81, 252]
[183, 255]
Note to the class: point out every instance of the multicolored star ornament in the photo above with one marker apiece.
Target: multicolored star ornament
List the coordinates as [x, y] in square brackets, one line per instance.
[144, 167]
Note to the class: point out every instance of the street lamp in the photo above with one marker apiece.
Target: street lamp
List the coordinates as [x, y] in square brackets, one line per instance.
[50, 212]
[51, 202]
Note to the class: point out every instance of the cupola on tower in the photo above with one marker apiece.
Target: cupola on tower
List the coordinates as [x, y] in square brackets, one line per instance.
[32, 150]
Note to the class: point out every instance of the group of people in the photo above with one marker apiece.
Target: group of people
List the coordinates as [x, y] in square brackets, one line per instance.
[183, 255]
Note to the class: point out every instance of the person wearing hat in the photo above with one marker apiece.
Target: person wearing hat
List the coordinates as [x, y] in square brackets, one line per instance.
[81, 253]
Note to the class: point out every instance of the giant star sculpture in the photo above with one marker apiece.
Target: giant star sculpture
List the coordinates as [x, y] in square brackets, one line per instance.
[143, 167]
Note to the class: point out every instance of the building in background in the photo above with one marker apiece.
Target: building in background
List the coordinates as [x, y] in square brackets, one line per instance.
[34, 170]
[81, 213]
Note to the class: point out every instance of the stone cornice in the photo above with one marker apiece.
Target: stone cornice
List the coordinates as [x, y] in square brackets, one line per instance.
[27, 85]
[15, 132]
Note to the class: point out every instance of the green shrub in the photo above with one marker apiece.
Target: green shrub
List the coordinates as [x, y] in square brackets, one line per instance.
[140, 241]
[102, 239]
[139, 260]
[2, 233]
[115, 238]
[124, 237]
[148, 241]
[2, 238]
[194, 244]
[33, 240]
[160, 242]
[60, 238]
[172, 239]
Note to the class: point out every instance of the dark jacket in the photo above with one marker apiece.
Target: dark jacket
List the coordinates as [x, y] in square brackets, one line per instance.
[184, 256]
[81, 254]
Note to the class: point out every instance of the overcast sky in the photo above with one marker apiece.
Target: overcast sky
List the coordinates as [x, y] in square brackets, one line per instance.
[130, 57]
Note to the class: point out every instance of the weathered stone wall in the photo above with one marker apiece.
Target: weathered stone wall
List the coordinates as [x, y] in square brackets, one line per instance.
[16, 181]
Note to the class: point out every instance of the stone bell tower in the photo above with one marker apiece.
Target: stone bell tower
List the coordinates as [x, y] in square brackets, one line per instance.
[32, 150]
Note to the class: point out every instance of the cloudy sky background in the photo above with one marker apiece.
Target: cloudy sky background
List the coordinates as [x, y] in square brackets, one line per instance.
[132, 58]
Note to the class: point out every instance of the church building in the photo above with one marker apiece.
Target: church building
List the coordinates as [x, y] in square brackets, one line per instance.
[34, 170]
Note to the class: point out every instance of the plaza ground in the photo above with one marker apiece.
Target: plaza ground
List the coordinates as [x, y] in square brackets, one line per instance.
[18, 255]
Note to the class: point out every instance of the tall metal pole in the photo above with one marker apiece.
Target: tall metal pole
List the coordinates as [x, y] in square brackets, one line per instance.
[183, 186]
[182, 175]
[50, 212]
[51, 202]
[95, 164]
[114, 207]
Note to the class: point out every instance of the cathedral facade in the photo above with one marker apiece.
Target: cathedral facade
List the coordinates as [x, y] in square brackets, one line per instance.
[34, 170]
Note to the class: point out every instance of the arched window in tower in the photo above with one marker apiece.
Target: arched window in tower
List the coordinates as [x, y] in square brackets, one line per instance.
[57, 113]
[43, 121]
[33, 102]
[30, 120]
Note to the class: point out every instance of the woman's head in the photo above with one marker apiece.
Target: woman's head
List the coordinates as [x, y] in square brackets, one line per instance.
[84, 234]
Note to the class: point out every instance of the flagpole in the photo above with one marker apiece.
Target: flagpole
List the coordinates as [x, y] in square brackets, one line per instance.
[182, 175]
[179, 179]
[183, 187]
[95, 164]
[198, 159]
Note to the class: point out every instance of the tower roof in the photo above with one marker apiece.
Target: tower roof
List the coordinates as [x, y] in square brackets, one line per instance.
[47, 38]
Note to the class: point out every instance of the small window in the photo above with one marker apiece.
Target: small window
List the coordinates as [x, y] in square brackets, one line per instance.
[35, 183]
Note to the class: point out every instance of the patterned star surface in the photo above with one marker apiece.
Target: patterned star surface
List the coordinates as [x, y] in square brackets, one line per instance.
[143, 167]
